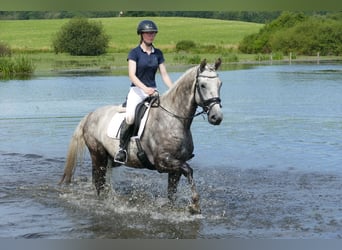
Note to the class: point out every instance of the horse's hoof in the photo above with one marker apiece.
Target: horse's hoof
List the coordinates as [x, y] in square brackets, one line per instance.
[194, 209]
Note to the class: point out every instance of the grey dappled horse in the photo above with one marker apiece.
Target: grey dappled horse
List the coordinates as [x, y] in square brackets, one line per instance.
[167, 138]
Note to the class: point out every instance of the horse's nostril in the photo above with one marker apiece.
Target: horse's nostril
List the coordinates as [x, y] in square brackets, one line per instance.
[214, 119]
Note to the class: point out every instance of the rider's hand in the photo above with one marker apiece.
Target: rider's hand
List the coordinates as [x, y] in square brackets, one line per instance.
[149, 91]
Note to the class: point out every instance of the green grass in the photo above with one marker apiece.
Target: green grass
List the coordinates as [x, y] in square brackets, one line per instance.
[29, 35]
[36, 35]
[19, 66]
[34, 38]
[213, 39]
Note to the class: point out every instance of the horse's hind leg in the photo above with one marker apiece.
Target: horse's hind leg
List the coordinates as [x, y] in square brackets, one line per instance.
[173, 180]
[99, 158]
[188, 173]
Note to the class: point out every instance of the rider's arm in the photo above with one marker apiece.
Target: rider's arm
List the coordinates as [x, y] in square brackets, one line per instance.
[165, 76]
[135, 80]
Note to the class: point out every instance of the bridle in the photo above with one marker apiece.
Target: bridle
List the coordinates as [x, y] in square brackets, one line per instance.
[206, 105]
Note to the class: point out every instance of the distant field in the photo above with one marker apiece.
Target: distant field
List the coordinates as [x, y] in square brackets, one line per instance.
[36, 35]
[34, 38]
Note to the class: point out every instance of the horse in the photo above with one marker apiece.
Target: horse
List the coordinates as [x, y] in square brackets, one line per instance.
[166, 140]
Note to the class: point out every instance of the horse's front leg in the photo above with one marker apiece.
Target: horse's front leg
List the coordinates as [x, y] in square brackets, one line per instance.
[175, 168]
[195, 204]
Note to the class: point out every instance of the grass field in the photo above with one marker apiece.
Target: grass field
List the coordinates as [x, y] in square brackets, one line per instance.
[36, 35]
[34, 39]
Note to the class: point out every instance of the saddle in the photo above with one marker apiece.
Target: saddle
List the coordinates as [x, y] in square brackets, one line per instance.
[114, 126]
[136, 129]
[140, 112]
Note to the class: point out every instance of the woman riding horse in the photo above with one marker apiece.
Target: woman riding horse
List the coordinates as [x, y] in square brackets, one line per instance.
[166, 139]
[143, 63]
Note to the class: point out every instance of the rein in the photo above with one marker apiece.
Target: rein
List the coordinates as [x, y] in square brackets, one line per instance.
[155, 103]
[207, 104]
[181, 117]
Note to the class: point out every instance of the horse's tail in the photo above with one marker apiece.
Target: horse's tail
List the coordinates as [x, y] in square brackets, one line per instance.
[75, 152]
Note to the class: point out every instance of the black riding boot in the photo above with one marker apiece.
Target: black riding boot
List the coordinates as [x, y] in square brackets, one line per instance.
[125, 135]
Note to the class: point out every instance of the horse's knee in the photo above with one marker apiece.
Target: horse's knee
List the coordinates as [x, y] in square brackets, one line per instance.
[186, 170]
[166, 164]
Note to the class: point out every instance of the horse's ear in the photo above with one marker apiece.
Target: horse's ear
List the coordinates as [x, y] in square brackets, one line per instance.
[218, 63]
[203, 63]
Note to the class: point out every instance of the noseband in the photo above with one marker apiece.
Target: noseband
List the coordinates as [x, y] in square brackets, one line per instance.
[206, 104]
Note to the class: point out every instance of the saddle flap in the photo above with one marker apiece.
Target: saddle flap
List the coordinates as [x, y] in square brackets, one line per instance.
[114, 125]
[113, 129]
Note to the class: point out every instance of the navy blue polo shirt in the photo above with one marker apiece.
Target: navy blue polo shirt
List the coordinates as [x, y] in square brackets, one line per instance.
[147, 65]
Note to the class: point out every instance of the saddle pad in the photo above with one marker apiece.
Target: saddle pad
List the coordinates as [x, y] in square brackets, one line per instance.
[115, 123]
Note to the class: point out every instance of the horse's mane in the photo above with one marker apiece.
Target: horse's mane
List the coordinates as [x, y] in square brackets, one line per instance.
[186, 74]
[179, 83]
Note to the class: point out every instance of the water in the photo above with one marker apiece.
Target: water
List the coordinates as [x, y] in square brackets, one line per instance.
[272, 169]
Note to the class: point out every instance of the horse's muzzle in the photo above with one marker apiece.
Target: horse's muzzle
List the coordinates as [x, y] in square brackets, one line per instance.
[215, 115]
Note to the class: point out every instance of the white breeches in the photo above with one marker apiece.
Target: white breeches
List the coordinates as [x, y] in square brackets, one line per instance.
[135, 96]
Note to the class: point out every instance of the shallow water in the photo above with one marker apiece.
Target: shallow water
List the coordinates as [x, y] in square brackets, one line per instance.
[272, 169]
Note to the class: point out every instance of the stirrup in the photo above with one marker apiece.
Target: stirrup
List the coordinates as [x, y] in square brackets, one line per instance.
[121, 150]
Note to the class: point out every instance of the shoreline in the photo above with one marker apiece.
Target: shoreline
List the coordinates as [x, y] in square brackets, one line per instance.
[173, 67]
[47, 65]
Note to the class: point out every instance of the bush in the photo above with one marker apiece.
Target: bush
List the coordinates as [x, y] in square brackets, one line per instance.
[13, 67]
[23, 65]
[310, 37]
[185, 45]
[260, 42]
[81, 37]
[297, 34]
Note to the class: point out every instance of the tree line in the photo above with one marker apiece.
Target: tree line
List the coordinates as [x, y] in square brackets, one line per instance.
[297, 33]
[247, 16]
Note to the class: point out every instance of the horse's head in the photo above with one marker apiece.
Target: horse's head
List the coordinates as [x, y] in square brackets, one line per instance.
[207, 93]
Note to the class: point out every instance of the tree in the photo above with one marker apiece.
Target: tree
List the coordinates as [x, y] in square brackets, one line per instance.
[260, 42]
[81, 37]
[310, 37]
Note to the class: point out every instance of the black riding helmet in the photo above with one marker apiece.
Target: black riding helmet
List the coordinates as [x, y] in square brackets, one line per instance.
[147, 26]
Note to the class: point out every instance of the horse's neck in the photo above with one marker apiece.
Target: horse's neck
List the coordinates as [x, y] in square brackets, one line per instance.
[180, 98]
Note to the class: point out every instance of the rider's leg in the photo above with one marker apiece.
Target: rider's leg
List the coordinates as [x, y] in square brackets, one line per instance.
[125, 134]
[135, 96]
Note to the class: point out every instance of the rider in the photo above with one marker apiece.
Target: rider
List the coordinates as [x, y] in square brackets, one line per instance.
[143, 63]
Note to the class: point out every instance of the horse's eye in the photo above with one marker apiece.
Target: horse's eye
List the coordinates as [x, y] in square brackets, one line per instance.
[203, 86]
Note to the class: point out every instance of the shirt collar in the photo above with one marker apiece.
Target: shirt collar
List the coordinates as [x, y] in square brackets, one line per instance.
[152, 50]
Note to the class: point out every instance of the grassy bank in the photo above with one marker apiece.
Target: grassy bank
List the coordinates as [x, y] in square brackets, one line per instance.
[36, 35]
[213, 39]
